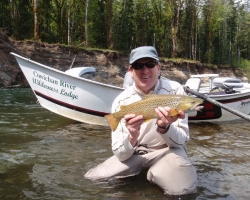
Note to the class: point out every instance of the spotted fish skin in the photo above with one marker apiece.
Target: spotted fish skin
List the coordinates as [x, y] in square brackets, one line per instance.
[147, 105]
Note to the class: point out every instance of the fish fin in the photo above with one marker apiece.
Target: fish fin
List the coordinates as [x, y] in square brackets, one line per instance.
[113, 121]
[146, 120]
[173, 112]
[121, 107]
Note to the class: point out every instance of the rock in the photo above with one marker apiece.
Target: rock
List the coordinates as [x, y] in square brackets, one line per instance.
[244, 79]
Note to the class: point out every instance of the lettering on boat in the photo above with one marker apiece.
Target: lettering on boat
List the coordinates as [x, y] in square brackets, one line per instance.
[69, 94]
[47, 82]
[67, 85]
[45, 77]
[42, 84]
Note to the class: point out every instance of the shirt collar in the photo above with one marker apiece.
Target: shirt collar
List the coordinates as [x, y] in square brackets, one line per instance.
[152, 91]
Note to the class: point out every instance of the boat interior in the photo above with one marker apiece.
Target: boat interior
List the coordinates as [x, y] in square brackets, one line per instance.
[216, 85]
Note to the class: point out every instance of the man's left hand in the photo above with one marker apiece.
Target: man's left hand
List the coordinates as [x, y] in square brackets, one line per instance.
[164, 118]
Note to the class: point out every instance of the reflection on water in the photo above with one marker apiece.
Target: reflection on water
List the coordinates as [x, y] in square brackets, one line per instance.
[221, 156]
[44, 156]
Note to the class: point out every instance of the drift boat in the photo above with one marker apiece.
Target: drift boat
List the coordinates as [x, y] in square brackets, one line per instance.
[70, 95]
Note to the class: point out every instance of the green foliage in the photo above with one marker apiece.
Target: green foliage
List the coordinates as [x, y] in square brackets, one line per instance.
[212, 31]
[5, 15]
[179, 60]
[98, 24]
[16, 18]
[243, 65]
[124, 24]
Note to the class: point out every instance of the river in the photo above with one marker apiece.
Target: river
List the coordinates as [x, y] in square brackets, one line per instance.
[45, 156]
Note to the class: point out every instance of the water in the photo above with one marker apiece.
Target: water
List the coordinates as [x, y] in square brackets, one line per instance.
[44, 156]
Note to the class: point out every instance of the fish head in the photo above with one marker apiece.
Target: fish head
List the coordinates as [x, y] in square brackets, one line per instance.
[190, 103]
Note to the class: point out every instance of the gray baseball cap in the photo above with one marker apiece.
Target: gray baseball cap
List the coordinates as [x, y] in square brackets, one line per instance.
[143, 52]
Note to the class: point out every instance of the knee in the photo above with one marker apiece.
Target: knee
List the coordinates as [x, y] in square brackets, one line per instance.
[103, 170]
[172, 184]
[174, 174]
[113, 168]
[96, 173]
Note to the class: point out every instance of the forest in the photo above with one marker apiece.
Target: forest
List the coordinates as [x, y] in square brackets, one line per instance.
[210, 31]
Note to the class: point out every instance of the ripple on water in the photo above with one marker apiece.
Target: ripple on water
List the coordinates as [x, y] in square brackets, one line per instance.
[222, 161]
[45, 156]
[5, 122]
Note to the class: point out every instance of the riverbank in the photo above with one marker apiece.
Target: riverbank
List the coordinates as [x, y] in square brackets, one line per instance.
[110, 65]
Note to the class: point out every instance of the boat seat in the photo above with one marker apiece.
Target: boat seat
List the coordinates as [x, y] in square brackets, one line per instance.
[128, 80]
[193, 84]
[79, 71]
[227, 82]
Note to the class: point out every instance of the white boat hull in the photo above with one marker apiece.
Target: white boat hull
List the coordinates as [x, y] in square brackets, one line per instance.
[77, 98]
[80, 99]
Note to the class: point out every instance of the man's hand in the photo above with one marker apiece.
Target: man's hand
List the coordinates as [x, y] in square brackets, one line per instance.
[163, 116]
[133, 123]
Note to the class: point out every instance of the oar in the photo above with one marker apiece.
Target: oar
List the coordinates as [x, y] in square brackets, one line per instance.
[205, 97]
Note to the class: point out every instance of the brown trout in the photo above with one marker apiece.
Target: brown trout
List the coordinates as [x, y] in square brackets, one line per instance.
[147, 105]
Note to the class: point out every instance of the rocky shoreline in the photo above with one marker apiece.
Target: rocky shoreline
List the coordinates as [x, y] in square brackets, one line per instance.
[110, 65]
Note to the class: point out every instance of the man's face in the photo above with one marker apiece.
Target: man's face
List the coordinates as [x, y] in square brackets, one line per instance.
[145, 78]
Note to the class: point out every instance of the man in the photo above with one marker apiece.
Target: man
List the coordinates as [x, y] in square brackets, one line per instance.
[158, 144]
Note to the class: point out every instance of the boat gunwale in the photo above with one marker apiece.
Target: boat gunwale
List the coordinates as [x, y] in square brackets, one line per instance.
[63, 73]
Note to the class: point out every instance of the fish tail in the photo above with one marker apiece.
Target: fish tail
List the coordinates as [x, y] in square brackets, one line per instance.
[113, 121]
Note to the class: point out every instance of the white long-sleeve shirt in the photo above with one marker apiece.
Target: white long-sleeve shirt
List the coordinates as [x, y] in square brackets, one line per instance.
[176, 136]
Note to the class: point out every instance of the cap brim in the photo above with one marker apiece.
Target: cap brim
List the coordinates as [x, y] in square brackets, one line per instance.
[143, 56]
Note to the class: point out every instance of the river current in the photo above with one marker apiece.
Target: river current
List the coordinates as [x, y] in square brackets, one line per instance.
[45, 156]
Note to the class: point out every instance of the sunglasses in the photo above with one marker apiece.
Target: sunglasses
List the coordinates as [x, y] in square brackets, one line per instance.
[139, 66]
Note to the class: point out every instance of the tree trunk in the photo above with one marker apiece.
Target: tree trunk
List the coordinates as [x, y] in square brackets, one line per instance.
[175, 9]
[69, 35]
[86, 23]
[13, 18]
[35, 9]
[110, 24]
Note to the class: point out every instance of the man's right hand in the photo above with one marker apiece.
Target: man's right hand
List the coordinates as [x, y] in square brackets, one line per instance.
[133, 124]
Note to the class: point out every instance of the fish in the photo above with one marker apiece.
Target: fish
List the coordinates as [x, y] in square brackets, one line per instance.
[146, 107]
